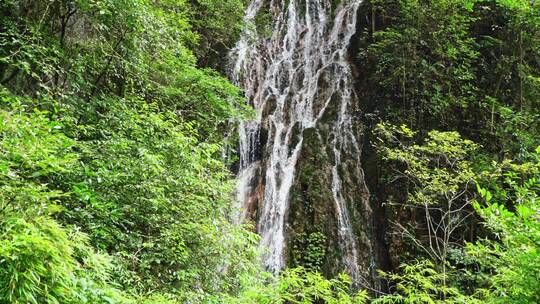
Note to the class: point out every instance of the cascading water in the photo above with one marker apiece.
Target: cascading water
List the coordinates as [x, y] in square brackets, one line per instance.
[292, 78]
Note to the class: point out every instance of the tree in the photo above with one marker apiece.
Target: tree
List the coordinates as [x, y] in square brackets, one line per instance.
[439, 178]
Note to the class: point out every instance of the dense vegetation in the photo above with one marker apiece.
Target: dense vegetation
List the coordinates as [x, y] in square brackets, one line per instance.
[454, 102]
[113, 186]
[114, 116]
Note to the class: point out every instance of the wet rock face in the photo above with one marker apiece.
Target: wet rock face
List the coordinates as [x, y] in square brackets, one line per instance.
[301, 177]
[311, 205]
[313, 209]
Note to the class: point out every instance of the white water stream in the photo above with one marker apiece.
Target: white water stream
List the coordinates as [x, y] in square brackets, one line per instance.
[291, 78]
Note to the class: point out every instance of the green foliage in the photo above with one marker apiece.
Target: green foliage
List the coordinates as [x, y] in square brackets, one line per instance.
[263, 23]
[438, 175]
[218, 24]
[157, 198]
[437, 166]
[40, 260]
[419, 283]
[146, 191]
[309, 250]
[512, 213]
[470, 67]
[425, 58]
[299, 286]
[466, 65]
[114, 86]
[76, 51]
[112, 134]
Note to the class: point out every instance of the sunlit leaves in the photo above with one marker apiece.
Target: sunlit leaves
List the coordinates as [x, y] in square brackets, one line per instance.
[300, 286]
[512, 212]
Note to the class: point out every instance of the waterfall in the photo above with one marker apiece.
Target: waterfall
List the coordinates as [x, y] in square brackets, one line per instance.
[292, 78]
